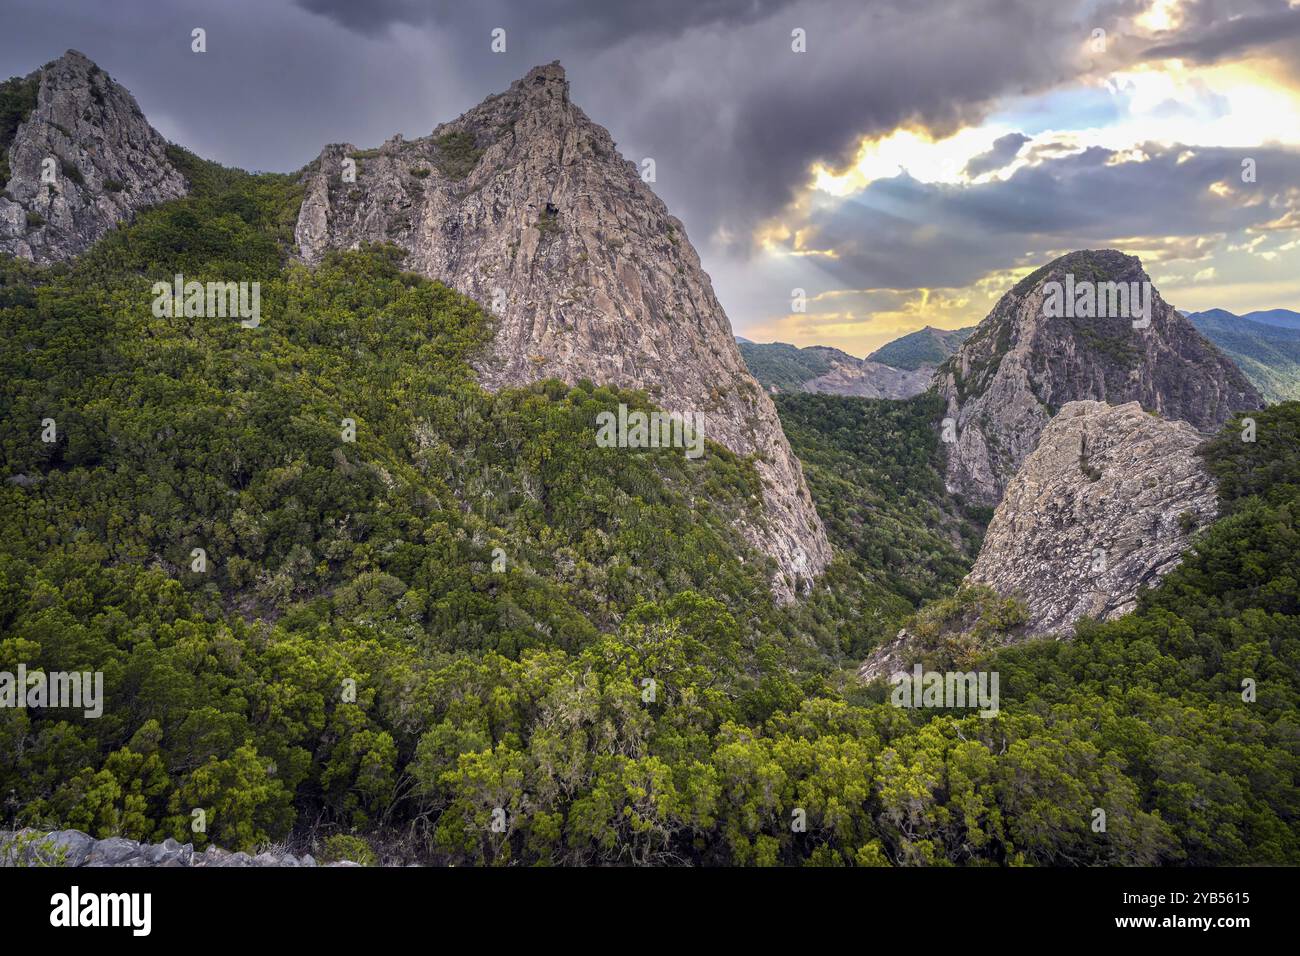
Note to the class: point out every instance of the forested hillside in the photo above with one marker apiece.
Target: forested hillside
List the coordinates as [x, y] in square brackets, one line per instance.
[1268, 354]
[875, 467]
[785, 367]
[472, 636]
[927, 346]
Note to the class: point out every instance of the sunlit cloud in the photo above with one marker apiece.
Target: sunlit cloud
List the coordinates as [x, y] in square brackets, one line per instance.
[1128, 116]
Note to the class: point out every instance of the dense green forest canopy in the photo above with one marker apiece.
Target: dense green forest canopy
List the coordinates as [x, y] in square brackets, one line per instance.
[471, 635]
[924, 347]
[784, 366]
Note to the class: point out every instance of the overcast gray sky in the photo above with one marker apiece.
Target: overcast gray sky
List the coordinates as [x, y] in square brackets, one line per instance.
[971, 138]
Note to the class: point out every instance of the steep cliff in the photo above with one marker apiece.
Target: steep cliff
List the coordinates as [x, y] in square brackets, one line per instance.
[80, 161]
[525, 205]
[1104, 506]
[1009, 378]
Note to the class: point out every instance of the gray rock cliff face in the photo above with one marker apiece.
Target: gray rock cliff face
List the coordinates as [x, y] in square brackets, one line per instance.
[1106, 504]
[1009, 378]
[108, 162]
[525, 205]
[863, 378]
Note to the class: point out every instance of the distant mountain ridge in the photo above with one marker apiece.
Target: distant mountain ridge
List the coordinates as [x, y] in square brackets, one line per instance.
[900, 369]
[1268, 352]
[1286, 318]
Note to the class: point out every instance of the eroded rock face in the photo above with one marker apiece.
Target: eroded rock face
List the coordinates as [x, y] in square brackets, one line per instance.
[1009, 378]
[863, 378]
[525, 205]
[1105, 505]
[108, 163]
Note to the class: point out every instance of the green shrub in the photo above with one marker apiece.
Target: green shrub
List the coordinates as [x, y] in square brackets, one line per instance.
[457, 154]
[345, 846]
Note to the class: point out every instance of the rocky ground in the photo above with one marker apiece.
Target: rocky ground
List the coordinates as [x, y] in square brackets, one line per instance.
[74, 848]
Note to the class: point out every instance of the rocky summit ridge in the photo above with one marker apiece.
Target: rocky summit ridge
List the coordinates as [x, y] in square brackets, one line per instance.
[525, 205]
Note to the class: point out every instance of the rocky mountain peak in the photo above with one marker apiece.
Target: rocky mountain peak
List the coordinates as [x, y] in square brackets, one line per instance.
[548, 80]
[82, 159]
[525, 205]
[1067, 333]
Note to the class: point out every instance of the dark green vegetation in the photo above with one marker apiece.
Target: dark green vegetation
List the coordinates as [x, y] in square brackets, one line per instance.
[874, 467]
[785, 366]
[457, 154]
[926, 346]
[17, 100]
[351, 670]
[1269, 355]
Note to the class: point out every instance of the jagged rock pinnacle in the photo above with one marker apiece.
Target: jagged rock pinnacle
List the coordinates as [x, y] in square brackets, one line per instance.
[525, 205]
[1021, 365]
[83, 159]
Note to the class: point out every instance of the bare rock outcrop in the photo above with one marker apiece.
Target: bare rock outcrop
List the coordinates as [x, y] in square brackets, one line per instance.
[863, 378]
[1020, 366]
[84, 159]
[73, 848]
[525, 205]
[1106, 505]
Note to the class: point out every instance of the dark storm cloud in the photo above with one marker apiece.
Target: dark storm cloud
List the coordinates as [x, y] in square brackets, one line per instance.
[709, 88]
[1002, 152]
[599, 21]
[903, 234]
[372, 17]
[1217, 40]
[768, 115]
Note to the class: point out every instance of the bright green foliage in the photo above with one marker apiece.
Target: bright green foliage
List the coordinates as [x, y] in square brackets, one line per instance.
[622, 689]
